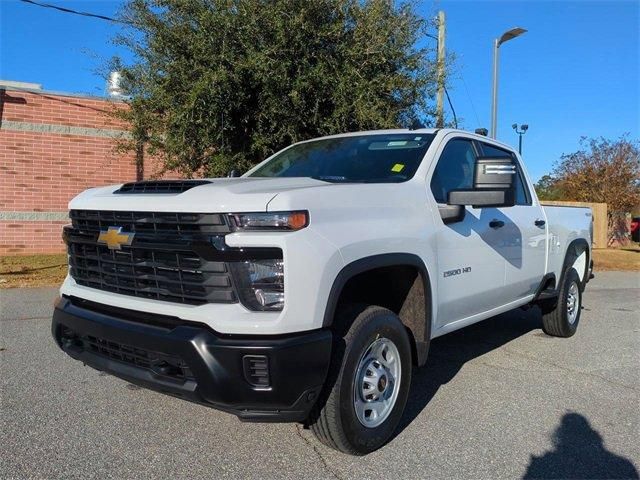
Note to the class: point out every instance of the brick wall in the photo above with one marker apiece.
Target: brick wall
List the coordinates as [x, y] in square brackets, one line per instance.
[53, 146]
[31, 237]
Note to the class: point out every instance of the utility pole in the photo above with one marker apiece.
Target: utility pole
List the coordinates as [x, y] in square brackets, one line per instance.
[441, 74]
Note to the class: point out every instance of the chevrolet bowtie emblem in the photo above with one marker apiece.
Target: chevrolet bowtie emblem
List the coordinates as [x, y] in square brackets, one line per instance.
[114, 238]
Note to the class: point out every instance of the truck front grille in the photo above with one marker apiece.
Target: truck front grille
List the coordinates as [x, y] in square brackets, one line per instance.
[163, 262]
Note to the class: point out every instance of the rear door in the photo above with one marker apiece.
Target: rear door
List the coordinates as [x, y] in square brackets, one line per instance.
[471, 267]
[523, 236]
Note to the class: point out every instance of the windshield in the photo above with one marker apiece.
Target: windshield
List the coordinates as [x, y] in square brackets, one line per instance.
[359, 159]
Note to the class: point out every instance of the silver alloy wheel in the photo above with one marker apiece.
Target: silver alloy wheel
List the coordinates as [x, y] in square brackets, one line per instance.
[573, 303]
[377, 382]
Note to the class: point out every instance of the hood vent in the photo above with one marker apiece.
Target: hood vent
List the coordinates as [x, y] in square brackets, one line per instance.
[161, 186]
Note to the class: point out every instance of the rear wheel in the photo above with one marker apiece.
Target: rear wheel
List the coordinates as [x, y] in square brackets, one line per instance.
[368, 384]
[562, 319]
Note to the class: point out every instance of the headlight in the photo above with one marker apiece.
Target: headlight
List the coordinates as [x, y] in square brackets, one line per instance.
[260, 283]
[270, 221]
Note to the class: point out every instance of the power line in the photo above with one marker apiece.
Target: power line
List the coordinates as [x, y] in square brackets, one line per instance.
[75, 12]
[470, 99]
[455, 118]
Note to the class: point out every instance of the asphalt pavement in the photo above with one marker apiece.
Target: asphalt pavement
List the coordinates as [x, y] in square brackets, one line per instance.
[498, 399]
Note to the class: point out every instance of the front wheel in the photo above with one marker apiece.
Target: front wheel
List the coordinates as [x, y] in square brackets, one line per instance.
[367, 386]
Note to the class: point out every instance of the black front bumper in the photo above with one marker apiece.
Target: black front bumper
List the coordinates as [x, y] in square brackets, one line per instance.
[191, 361]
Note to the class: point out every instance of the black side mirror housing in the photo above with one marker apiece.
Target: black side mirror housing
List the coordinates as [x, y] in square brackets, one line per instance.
[494, 173]
[233, 173]
[493, 184]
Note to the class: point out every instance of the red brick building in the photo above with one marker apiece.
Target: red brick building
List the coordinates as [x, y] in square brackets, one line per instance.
[53, 146]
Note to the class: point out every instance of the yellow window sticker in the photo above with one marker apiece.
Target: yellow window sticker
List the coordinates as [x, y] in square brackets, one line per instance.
[397, 168]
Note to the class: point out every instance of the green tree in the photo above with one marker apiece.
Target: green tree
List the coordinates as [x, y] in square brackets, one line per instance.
[604, 171]
[221, 84]
[549, 188]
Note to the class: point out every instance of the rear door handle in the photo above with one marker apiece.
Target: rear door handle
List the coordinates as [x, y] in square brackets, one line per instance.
[539, 223]
[496, 224]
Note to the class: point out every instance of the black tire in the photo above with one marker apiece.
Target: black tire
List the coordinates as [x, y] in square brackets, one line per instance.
[334, 420]
[557, 320]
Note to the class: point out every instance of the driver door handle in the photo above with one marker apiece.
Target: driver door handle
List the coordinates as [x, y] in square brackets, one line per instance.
[496, 224]
[539, 223]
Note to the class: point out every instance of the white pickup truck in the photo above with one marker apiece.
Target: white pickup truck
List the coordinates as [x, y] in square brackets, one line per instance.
[309, 288]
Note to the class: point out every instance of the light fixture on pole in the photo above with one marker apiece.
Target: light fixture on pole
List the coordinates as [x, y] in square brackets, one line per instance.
[521, 132]
[506, 36]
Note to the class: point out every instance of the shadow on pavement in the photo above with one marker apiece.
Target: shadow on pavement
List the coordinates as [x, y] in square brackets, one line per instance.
[579, 453]
[447, 355]
[22, 270]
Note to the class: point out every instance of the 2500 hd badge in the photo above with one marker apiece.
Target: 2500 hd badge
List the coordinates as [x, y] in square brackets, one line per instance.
[457, 271]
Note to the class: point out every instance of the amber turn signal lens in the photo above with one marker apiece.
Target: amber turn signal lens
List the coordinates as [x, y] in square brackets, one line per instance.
[297, 220]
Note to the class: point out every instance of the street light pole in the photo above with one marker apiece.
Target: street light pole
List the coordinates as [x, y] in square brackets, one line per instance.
[441, 75]
[521, 132]
[520, 144]
[494, 99]
[506, 36]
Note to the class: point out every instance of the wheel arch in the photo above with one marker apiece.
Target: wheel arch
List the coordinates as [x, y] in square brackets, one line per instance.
[416, 309]
[572, 257]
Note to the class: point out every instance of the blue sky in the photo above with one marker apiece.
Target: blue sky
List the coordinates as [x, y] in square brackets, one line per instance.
[576, 71]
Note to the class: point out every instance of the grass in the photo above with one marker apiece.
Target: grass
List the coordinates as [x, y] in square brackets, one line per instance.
[626, 258]
[50, 270]
[33, 270]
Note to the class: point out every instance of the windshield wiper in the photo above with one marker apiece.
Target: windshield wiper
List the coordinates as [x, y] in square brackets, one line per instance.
[390, 179]
[340, 179]
[331, 179]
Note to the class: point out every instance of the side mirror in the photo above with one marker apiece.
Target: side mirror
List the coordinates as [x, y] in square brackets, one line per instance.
[494, 173]
[493, 184]
[233, 173]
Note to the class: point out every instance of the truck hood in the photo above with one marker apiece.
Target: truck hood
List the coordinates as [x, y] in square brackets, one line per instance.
[221, 195]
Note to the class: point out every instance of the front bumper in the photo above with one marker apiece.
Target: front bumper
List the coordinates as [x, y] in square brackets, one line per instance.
[189, 360]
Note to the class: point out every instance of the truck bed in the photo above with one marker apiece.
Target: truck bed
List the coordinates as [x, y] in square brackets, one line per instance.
[566, 224]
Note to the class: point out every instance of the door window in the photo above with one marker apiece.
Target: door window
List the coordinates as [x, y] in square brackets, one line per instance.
[454, 169]
[522, 192]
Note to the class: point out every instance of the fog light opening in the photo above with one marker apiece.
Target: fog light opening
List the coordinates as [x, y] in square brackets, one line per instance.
[256, 371]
